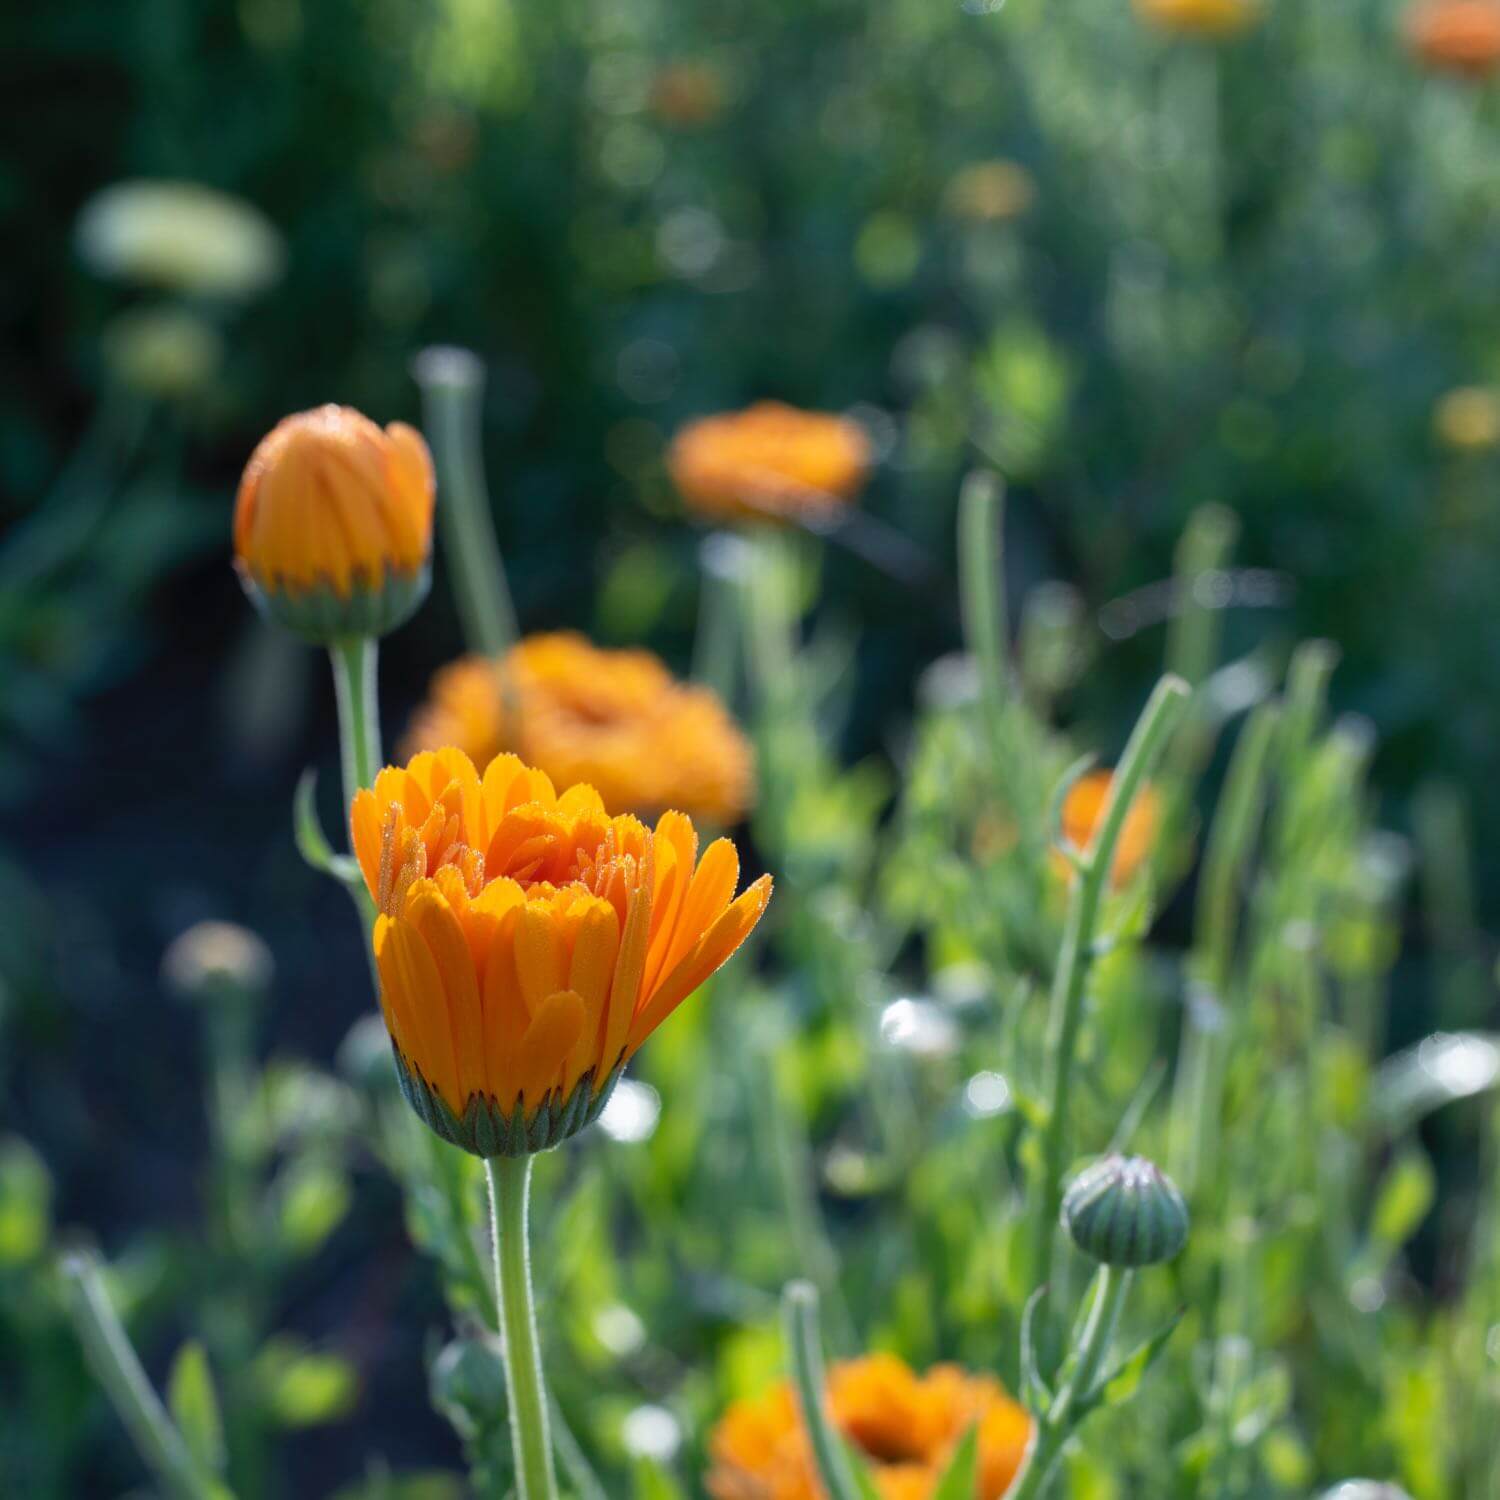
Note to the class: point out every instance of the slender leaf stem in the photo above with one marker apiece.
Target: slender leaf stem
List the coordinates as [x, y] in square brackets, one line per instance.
[799, 1306]
[1149, 738]
[981, 510]
[115, 1365]
[510, 1193]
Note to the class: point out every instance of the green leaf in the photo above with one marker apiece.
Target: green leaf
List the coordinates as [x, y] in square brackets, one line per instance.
[960, 1480]
[195, 1407]
[1118, 1384]
[311, 1200]
[303, 1388]
[312, 842]
[1403, 1199]
[1036, 1394]
[652, 1482]
[864, 1481]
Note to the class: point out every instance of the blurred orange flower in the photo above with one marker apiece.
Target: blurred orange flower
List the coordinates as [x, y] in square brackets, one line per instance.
[528, 943]
[688, 94]
[1204, 18]
[904, 1424]
[1084, 806]
[768, 462]
[1456, 36]
[618, 720]
[333, 523]
[987, 191]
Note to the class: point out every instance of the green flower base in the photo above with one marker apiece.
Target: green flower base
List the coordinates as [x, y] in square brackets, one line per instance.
[486, 1130]
[323, 616]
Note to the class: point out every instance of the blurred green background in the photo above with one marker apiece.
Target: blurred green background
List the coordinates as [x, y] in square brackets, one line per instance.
[1136, 273]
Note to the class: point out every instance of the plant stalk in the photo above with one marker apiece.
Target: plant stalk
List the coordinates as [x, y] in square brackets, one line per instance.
[356, 691]
[1152, 732]
[510, 1193]
[799, 1306]
[115, 1365]
[452, 383]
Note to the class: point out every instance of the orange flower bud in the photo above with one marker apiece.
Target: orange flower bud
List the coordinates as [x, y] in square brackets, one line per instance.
[770, 462]
[528, 943]
[333, 524]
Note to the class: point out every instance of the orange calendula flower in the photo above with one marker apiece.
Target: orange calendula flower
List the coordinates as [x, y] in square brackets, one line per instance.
[1456, 36]
[770, 462]
[618, 720]
[1201, 18]
[904, 1425]
[333, 524]
[1084, 806]
[528, 942]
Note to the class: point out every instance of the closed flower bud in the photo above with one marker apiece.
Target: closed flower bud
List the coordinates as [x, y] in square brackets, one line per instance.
[1124, 1211]
[333, 525]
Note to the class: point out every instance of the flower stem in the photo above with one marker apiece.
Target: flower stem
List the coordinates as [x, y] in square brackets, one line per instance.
[1147, 741]
[982, 593]
[799, 1306]
[354, 686]
[510, 1193]
[452, 382]
[119, 1371]
[1056, 1425]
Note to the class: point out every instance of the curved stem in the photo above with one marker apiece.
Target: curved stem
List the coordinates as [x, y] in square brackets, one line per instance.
[119, 1371]
[799, 1305]
[1146, 745]
[510, 1192]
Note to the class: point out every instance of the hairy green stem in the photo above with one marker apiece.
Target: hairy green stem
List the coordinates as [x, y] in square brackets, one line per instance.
[119, 1371]
[452, 383]
[357, 695]
[799, 1306]
[1149, 738]
[510, 1193]
[1056, 1425]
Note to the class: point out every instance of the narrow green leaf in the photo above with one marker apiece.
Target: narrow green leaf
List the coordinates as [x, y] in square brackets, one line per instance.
[195, 1406]
[653, 1482]
[1036, 1394]
[1403, 1199]
[960, 1480]
[1118, 1384]
[312, 842]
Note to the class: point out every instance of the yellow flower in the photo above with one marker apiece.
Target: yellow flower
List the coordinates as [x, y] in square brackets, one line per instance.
[1204, 18]
[903, 1424]
[615, 719]
[1084, 806]
[528, 942]
[989, 191]
[333, 524]
[768, 462]
[1468, 418]
[1456, 36]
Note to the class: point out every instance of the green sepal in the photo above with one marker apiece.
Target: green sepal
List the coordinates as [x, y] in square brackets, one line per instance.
[324, 616]
[488, 1130]
[960, 1479]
